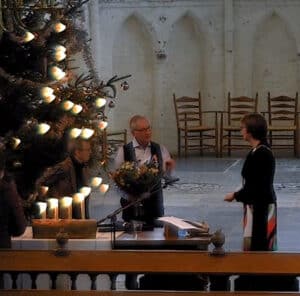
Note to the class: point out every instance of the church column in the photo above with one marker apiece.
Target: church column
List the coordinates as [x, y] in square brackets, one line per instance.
[159, 83]
[298, 79]
[228, 46]
[160, 77]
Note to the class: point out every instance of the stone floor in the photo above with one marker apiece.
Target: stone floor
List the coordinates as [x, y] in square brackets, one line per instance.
[199, 196]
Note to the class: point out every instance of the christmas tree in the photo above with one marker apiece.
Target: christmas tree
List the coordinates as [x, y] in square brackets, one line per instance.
[42, 102]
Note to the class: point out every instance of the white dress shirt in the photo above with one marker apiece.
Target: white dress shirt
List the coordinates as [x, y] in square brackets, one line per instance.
[143, 155]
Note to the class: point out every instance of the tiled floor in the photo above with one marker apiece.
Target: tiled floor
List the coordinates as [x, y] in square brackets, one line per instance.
[199, 195]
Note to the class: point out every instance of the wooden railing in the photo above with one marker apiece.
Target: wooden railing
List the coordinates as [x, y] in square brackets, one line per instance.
[116, 262]
[136, 293]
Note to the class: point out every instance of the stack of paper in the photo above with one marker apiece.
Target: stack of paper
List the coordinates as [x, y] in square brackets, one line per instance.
[193, 228]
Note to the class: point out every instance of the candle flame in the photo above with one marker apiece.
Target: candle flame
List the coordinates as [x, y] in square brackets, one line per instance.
[42, 207]
[28, 36]
[96, 181]
[75, 132]
[102, 125]
[44, 190]
[59, 53]
[15, 142]
[76, 109]
[85, 191]
[59, 56]
[59, 27]
[53, 202]
[100, 102]
[57, 73]
[78, 197]
[43, 128]
[49, 99]
[104, 188]
[46, 91]
[66, 201]
[67, 105]
[87, 133]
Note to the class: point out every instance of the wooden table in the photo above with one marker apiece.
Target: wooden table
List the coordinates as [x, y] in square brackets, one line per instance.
[156, 240]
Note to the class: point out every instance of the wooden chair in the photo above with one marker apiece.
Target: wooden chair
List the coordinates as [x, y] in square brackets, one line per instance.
[111, 141]
[283, 122]
[193, 133]
[237, 107]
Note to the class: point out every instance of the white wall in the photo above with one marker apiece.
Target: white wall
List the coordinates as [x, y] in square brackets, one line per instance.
[186, 46]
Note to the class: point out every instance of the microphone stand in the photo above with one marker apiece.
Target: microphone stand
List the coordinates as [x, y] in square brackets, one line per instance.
[113, 216]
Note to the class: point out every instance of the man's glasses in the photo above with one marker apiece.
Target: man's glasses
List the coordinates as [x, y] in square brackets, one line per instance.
[146, 129]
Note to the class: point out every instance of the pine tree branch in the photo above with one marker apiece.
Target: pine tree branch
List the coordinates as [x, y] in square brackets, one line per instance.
[18, 81]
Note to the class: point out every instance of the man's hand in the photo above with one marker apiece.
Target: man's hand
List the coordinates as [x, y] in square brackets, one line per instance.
[170, 165]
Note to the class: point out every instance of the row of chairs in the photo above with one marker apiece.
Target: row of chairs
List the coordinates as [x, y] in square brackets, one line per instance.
[199, 130]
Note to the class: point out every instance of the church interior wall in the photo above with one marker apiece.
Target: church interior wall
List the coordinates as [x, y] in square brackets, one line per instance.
[184, 47]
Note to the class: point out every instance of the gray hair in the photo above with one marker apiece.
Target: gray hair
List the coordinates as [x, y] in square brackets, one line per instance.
[133, 121]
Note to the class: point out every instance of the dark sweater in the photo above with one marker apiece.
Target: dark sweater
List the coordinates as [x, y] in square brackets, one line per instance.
[12, 218]
[258, 175]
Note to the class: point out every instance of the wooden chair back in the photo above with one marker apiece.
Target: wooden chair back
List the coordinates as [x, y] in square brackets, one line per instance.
[282, 110]
[239, 106]
[188, 111]
[192, 131]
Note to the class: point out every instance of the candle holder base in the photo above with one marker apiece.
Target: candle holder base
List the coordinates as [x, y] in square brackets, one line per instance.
[76, 228]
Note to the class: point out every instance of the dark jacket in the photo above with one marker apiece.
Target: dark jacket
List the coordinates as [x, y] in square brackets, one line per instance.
[258, 175]
[153, 206]
[12, 218]
[62, 180]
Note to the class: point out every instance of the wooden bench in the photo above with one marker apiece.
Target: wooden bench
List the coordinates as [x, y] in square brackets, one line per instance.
[115, 262]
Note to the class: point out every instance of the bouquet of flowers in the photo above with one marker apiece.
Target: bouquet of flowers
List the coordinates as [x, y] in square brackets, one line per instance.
[136, 180]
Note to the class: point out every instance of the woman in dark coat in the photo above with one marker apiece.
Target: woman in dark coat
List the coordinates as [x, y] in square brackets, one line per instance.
[257, 193]
[12, 218]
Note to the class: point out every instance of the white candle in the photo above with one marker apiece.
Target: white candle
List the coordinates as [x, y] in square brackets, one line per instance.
[42, 209]
[78, 206]
[65, 208]
[52, 209]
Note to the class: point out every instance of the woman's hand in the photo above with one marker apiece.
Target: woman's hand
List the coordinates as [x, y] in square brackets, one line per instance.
[229, 197]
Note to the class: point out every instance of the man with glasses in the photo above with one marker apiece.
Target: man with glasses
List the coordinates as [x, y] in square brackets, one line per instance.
[143, 150]
[69, 176]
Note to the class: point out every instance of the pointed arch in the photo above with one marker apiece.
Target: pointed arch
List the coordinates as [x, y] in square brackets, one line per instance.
[263, 18]
[133, 54]
[186, 64]
[274, 58]
[145, 24]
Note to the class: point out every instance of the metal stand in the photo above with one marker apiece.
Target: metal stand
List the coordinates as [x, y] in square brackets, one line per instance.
[113, 216]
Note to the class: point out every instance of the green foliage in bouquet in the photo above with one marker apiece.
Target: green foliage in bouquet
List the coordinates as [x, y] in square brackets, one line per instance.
[136, 180]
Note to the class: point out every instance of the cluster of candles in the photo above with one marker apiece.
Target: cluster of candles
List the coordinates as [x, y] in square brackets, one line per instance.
[68, 207]
[59, 53]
